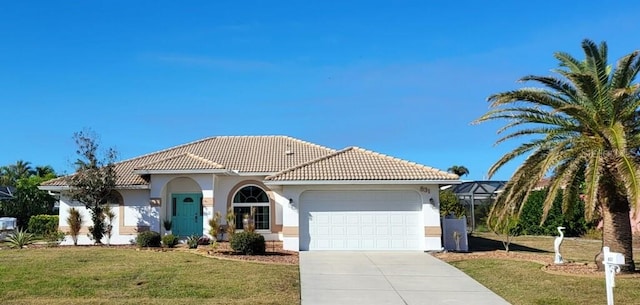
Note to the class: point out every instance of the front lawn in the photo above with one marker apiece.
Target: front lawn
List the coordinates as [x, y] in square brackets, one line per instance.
[101, 275]
[523, 282]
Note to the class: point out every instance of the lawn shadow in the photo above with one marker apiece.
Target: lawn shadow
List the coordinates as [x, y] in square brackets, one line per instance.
[481, 244]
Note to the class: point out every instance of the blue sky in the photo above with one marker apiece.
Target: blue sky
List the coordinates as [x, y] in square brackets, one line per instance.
[403, 78]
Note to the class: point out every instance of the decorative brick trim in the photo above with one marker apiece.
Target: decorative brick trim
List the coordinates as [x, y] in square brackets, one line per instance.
[208, 202]
[66, 229]
[290, 231]
[432, 231]
[276, 228]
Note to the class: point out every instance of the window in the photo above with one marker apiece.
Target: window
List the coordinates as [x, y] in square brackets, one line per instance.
[252, 197]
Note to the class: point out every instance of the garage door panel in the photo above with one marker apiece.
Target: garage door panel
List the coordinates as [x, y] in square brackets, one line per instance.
[378, 220]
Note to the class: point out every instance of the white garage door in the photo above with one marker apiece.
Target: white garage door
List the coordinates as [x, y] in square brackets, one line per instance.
[361, 220]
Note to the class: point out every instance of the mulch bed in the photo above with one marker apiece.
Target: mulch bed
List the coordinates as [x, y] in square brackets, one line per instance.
[274, 253]
[568, 268]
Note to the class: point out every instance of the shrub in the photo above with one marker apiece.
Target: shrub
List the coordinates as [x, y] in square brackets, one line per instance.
[19, 239]
[529, 222]
[449, 204]
[54, 238]
[249, 243]
[148, 239]
[214, 224]
[75, 223]
[203, 240]
[192, 241]
[43, 224]
[170, 240]
[231, 224]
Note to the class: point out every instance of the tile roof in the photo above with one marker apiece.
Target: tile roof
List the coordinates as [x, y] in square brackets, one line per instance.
[182, 161]
[355, 163]
[260, 154]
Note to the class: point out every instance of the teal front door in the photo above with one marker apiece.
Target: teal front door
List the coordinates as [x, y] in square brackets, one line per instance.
[186, 214]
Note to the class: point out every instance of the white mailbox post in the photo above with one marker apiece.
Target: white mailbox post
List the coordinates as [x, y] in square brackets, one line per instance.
[612, 262]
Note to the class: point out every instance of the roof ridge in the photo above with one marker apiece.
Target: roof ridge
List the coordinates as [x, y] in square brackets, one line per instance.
[203, 159]
[404, 161]
[305, 164]
[167, 149]
[187, 154]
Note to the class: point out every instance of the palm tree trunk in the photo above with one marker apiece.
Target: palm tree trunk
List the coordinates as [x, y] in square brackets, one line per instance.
[616, 225]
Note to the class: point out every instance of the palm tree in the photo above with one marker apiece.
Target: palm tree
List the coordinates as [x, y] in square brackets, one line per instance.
[582, 126]
[459, 170]
[45, 171]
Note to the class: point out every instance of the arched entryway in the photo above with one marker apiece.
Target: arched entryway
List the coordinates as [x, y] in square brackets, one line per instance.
[185, 208]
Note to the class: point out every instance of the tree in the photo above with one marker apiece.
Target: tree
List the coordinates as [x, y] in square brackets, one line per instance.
[449, 204]
[12, 173]
[28, 200]
[94, 180]
[458, 170]
[582, 122]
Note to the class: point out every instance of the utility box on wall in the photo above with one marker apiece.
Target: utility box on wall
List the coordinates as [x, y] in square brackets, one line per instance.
[454, 234]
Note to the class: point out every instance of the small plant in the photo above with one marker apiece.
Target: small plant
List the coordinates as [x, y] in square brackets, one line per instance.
[170, 241]
[167, 224]
[248, 221]
[75, 223]
[249, 243]
[19, 239]
[110, 216]
[231, 224]
[204, 240]
[192, 241]
[214, 224]
[148, 239]
[54, 238]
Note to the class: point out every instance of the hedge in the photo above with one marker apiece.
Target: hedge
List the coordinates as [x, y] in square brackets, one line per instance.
[43, 224]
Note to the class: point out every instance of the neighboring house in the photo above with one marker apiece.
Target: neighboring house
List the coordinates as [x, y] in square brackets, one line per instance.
[309, 196]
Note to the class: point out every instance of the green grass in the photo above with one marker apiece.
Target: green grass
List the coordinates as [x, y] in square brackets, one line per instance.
[99, 275]
[525, 283]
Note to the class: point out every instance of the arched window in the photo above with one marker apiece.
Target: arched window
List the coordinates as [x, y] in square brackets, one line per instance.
[250, 197]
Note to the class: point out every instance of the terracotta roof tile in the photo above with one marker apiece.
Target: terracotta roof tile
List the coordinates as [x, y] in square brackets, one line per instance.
[181, 161]
[355, 163]
[261, 154]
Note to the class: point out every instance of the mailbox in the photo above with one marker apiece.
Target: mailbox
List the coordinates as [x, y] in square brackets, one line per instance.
[613, 258]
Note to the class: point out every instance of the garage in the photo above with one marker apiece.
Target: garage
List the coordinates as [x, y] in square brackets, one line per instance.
[361, 220]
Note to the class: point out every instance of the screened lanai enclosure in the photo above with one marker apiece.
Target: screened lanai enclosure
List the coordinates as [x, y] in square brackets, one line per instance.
[477, 197]
[6, 192]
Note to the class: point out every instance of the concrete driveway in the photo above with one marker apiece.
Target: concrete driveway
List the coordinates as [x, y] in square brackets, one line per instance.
[403, 278]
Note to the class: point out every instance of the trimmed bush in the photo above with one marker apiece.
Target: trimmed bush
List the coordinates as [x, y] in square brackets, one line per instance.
[249, 243]
[43, 224]
[148, 239]
[169, 240]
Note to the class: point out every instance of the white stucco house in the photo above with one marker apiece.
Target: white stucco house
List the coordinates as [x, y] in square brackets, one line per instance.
[308, 196]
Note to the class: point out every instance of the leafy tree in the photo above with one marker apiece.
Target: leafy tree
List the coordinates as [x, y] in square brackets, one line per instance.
[28, 200]
[94, 180]
[458, 170]
[449, 204]
[583, 122]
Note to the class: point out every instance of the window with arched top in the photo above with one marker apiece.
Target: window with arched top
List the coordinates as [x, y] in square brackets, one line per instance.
[252, 197]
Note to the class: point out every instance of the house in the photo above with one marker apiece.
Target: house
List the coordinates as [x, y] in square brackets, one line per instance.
[308, 196]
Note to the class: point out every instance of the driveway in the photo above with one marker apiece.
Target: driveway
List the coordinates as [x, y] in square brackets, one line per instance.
[403, 278]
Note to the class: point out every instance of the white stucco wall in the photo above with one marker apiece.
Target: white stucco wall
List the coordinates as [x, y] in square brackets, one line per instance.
[136, 212]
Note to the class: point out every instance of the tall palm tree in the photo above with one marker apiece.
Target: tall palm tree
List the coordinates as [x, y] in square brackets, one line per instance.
[582, 125]
[459, 170]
